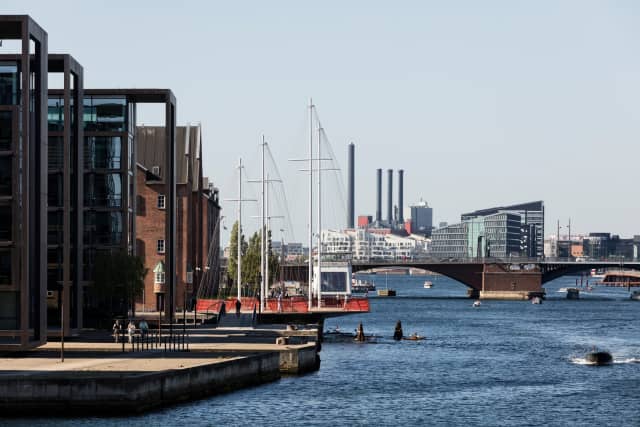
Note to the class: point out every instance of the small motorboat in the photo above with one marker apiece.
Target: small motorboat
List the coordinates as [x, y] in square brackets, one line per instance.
[427, 285]
[414, 337]
[536, 300]
[476, 303]
[599, 358]
[635, 295]
[573, 293]
[386, 292]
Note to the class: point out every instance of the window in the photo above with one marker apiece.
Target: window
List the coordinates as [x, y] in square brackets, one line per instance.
[159, 277]
[160, 246]
[160, 201]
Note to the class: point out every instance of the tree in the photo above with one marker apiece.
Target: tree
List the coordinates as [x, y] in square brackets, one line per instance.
[251, 263]
[118, 280]
[274, 263]
[232, 265]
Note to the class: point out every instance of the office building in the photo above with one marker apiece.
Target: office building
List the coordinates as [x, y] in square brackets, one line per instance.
[23, 185]
[531, 213]
[498, 236]
[421, 219]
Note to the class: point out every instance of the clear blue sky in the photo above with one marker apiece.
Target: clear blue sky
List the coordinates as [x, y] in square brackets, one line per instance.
[482, 103]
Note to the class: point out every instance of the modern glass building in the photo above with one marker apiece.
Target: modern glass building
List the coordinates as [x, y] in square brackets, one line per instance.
[23, 184]
[531, 213]
[109, 177]
[65, 198]
[451, 241]
[496, 236]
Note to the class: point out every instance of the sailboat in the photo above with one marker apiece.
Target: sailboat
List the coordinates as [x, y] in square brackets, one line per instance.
[386, 292]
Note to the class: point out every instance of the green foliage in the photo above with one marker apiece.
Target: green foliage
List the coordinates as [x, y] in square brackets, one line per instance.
[232, 266]
[118, 280]
[251, 264]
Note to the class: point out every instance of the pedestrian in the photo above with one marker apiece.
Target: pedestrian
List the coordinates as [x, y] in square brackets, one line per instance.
[144, 328]
[117, 329]
[131, 329]
[280, 303]
[238, 305]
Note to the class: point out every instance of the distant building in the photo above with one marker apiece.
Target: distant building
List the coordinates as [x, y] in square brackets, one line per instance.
[531, 213]
[364, 221]
[372, 244]
[498, 235]
[421, 219]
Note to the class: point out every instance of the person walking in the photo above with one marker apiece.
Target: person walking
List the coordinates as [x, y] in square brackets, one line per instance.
[117, 330]
[238, 306]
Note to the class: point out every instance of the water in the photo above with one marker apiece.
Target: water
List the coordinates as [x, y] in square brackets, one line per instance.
[504, 363]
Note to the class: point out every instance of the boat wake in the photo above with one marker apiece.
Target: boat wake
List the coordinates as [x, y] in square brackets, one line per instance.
[583, 361]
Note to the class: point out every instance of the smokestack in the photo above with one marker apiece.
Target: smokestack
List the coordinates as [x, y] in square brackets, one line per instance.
[379, 196]
[400, 196]
[390, 197]
[351, 202]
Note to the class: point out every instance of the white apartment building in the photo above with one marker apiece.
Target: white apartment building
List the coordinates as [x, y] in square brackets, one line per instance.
[361, 245]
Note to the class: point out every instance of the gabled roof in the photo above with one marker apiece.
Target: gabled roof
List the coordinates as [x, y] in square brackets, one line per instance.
[159, 268]
[150, 151]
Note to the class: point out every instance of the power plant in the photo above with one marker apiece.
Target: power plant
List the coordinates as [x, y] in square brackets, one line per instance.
[395, 213]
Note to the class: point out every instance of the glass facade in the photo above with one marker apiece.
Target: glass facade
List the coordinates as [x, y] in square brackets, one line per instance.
[496, 236]
[5, 176]
[103, 228]
[103, 152]
[103, 190]
[105, 114]
[5, 267]
[9, 83]
[6, 130]
[5, 223]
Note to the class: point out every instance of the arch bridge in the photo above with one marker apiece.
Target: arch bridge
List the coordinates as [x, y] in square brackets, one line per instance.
[520, 278]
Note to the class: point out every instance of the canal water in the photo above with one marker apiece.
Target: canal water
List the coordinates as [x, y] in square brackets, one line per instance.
[503, 363]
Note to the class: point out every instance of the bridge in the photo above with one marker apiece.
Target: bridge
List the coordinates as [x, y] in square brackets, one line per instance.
[486, 278]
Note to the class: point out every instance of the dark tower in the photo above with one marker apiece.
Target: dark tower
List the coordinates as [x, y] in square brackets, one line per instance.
[401, 197]
[390, 197]
[378, 196]
[351, 195]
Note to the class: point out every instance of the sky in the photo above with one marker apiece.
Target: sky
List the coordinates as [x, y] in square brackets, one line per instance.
[481, 103]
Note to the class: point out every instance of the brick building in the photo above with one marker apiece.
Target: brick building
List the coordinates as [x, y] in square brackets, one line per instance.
[197, 208]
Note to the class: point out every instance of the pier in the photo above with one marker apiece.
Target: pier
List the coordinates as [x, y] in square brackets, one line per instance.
[99, 378]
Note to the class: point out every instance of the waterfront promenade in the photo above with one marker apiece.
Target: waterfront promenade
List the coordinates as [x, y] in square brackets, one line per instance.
[98, 378]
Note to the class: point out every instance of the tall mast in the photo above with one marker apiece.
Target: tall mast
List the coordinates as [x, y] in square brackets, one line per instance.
[262, 234]
[266, 233]
[239, 283]
[319, 215]
[310, 201]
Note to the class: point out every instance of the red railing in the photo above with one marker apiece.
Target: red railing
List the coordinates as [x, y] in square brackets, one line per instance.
[297, 304]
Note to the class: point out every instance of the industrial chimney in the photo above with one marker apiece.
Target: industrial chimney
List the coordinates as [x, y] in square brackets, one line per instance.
[390, 197]
[400, 197]
[378, 196]
[351, 190]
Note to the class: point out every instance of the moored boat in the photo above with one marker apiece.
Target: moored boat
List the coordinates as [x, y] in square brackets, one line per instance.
[386, 292]
[362, 286]
[635, 295]
[427, 285]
